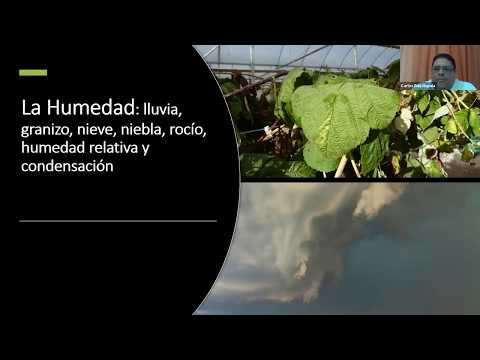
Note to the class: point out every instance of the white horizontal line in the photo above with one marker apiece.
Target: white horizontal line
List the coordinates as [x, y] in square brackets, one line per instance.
[116, 221]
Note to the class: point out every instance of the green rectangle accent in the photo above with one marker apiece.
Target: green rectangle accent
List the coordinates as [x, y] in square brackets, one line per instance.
[32, 72]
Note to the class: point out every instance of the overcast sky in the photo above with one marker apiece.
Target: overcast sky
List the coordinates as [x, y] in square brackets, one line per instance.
[352, 249]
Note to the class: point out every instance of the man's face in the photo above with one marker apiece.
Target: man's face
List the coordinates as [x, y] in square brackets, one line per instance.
[443, 73]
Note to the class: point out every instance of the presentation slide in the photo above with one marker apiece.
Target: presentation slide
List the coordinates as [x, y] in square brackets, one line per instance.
[179, 179]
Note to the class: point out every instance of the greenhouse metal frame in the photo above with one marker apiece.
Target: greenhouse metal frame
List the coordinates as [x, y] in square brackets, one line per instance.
[260, 60]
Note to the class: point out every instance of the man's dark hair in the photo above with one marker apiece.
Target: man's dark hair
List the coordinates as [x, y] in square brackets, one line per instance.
[445, 56]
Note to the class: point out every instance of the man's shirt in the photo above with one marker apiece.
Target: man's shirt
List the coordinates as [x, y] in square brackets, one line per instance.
[457, 85]
[463, 85]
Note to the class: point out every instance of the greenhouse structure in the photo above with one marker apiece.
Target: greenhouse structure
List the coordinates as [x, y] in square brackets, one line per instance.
[265, 59]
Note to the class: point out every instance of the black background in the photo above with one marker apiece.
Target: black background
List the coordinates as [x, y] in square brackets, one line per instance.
[114, 275]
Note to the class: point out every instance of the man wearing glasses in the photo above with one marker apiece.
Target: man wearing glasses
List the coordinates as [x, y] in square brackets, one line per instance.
[444, 74]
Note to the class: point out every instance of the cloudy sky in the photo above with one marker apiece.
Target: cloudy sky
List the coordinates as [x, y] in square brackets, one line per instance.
[352, 249]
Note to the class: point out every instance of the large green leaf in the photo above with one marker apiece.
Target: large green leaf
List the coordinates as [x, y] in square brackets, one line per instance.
[332, 79]
[329, 78]
[294, 79]
[314, 158]
[330, 120]
[374, 150]
[338, 117]
[380, 104]
[263, 166]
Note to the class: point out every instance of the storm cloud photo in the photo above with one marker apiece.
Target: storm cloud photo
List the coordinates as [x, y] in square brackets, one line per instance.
[381, 248]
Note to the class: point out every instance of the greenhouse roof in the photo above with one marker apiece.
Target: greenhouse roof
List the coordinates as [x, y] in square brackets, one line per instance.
[272, 57]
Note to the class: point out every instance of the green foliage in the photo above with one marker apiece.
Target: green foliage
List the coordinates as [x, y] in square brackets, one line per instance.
[369, 73]
[312, 155]
[248, 112]
[392, 77]
[433, 169]
[424, 121]
[474, 122]
[338, 117]
[266, 166]
[441, 111]
[430, 135]
[424, 102]
[461, 119]
[433, 107]
[236, 104]
[451, 126]
[474, 145]
[294, 79]
[374, 150]
[395, 161]
[444, 123]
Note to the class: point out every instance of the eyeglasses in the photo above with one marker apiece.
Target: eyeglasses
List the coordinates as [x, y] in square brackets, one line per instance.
[444, 68]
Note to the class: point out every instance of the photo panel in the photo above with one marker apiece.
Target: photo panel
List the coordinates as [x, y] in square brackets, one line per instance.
[352, 249]
[326, 112]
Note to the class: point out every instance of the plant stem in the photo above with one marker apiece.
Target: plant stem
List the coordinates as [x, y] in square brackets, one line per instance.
[450, 108]
[341, 166]
[457, 123]
[474, 101]
[274, 89]
[354, 166]
[356, 169]
[459, 100]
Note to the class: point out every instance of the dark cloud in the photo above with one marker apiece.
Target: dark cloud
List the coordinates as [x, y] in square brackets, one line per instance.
[353, 248]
